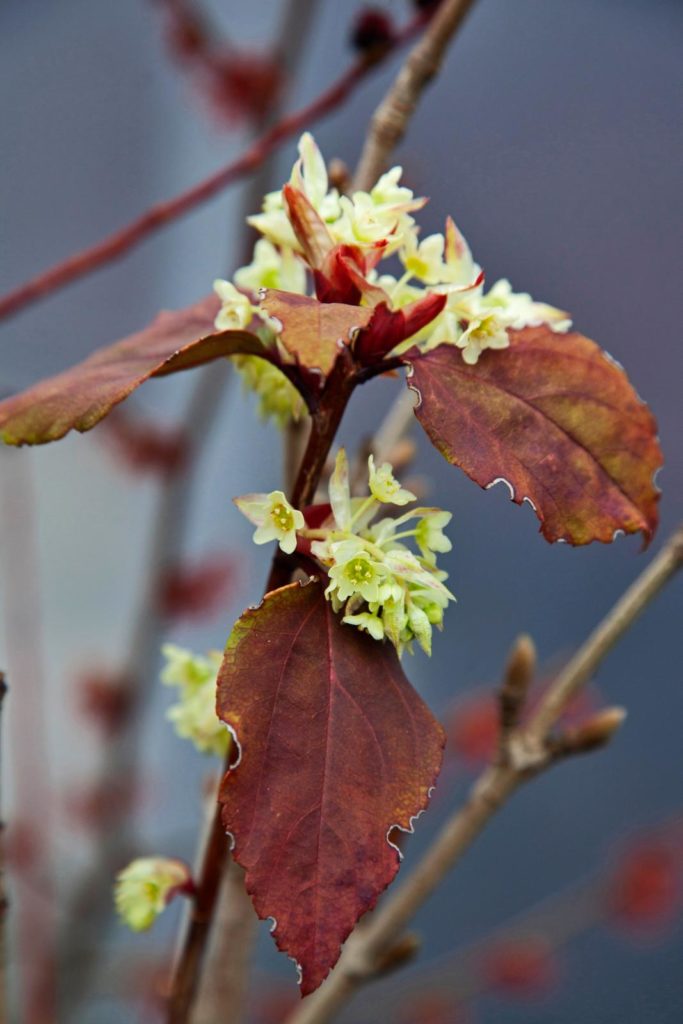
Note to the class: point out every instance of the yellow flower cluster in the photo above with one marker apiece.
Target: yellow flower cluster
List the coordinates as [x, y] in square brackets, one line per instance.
[194, 715]
[473, 319]
[381, 585]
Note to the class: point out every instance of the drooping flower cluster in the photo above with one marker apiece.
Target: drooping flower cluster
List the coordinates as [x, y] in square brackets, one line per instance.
[194, 715]
[376, 225]
[144, 888]
[381, 585]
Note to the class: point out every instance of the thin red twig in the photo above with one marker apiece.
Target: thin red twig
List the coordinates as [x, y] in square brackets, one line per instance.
[119, 243]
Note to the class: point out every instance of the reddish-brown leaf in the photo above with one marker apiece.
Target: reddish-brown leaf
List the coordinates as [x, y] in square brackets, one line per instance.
[557, 420]
[83, 395]
[313, 331]
[336, 748]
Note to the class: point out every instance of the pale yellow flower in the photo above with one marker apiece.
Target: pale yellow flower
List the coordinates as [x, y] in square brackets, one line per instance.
[236, 310]
[144, 888]
[274, 518]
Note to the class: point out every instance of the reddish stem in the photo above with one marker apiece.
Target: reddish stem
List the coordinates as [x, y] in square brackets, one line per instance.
[188, 973]
[156, 217]
[326, 420]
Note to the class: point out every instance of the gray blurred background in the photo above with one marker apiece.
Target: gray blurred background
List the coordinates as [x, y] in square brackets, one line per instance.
[554, 137]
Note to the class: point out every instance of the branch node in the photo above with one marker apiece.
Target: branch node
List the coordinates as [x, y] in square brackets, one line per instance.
[524, 754]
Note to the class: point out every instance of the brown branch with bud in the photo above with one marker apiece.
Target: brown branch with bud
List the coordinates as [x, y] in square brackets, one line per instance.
[391, 118]
[637, 892]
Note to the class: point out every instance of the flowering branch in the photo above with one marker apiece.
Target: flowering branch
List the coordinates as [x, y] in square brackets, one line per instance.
[122, 241]
[530, 753]
[190, 959]
[315, 675]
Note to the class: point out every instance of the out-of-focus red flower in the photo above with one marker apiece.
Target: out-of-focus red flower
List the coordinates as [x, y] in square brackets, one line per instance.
[199, 590]
[275, 1005]
[473, 728]
[435, 1009]
[239, 85]
[372, 31]
[524, 967]
[21, 846]
[101, 806]
[242, 86]
[143, 447]
[645, 891]
[187, 36]
[104, 699]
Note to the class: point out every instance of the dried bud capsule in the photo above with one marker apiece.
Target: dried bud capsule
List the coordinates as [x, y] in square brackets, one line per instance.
[372, 33]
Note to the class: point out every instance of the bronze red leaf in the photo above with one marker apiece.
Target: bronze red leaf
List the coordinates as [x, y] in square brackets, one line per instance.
[557, 420]
[312, 331]
[336, 748]
[80, 397]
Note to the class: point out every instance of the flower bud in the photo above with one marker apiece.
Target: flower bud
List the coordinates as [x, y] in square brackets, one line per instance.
[145, 887]
[372, 32]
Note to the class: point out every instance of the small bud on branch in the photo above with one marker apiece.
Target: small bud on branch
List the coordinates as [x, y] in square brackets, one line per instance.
[518, 676]
[593, 734]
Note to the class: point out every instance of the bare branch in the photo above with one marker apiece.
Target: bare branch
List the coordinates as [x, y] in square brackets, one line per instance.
[588, 657]
[391, 118]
